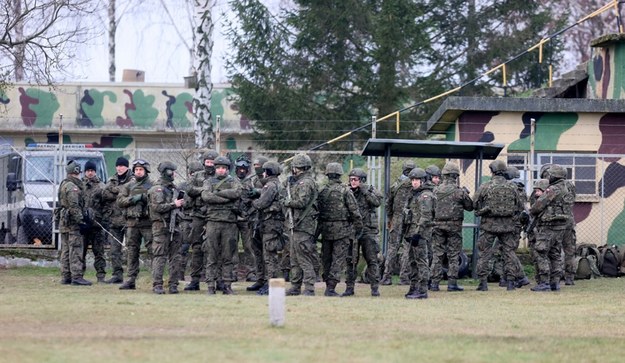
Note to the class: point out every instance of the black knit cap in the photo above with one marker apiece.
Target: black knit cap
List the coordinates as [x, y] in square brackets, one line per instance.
[90, 165]
[122, 161]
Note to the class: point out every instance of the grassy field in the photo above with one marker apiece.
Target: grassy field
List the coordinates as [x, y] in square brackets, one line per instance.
[42, 321]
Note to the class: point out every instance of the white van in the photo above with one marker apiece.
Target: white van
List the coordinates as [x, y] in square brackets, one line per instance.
[30, 194]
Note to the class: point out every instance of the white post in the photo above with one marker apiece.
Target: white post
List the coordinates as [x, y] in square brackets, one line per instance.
[277, 300]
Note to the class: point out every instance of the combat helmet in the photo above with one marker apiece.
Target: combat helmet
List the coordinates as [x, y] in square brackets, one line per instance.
[557, 172]
[497, 167]
[223, 161]
[512, 172]
[272, 167]
[408, 165]
[72, 167]
[358, 172]
[541, 184]
[450, 168]
[301, 161]
[433, 170]
[544, 171]
[195, 166]
[165, 165]
[210, 155]
[334, 168]
[142, 163]
[417, 173]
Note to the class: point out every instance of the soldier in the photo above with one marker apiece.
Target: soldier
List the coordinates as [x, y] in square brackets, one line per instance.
[271, 219]
[114, 219]
[285, 258]
[551, 211]
[246, 220]
[497, 202]
[186, 216]
[301, 201]
[221, 194]
[94, 207]
[165, 202]
[198, 256]
[133, 198]
[451, 202]
[339, 222]
[73, 226]
[540, 186]
[254, 186]
[433, 174]
[368, 200]
[419, 212]
[398, 194]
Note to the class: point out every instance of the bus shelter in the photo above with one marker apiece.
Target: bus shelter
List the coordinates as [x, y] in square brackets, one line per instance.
[402, 148]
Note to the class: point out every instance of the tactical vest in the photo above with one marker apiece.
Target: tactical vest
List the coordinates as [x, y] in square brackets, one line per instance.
[501, 199]
[331, 203]
[556, 211]
[139, 210]
[448, 207]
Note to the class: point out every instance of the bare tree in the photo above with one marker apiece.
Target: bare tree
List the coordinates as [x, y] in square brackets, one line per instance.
[38, 38]
[204, 134]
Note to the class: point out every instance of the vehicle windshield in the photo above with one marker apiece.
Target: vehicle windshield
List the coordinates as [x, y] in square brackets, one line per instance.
[40, 169]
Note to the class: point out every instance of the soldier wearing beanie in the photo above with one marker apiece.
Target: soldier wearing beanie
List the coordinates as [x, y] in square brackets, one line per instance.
[94, 205]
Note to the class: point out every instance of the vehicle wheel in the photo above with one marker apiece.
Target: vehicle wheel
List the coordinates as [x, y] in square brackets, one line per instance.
[22, 237]
[463, 266]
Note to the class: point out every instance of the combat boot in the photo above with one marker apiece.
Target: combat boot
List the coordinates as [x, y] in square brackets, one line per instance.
[375, 291]
[194, 285]
[295, 290]
[309, 293]
[543, 286]
[128, 285]
[417, 295]
[349, 291]
[210, 290]
[114, 280]
[452, 285]
[434, 286]
[555, 286]
[411, 290]
[263, 290]
[65, 281]
[511, 286]
[330, 286]
[219, 286]
[483, 286]
[256, 286]
[79, 281]
[522, 282]
[287, 275]
[158, 290]
[503, 282]
[101, 280]
[568, 281]
[173, 289]
[386, 280]
[227, 289]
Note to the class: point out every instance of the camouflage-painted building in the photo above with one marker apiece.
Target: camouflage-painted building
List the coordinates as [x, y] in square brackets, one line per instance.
[585, 134]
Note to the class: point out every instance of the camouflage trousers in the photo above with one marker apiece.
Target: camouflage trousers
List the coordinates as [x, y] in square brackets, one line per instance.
[220, 247]
[334, 258]
[166, 251]
[531, 245]
[198, 259]
[272, 243]
[549, 254]
[116, 250]
[517, 267]
[419, 267]
[185, 232]
[369, 245]
[569, 241]
[394, 242]
[248, 260]
[446, 240]
[95, 239]
[285, 259]
[134, 236]
[486, 245]
[71, 260]
[304, 257]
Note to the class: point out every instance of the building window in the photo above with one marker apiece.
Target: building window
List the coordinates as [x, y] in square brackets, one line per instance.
[581, 170]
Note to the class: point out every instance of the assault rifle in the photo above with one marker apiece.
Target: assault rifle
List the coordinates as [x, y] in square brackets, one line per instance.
[172, 217]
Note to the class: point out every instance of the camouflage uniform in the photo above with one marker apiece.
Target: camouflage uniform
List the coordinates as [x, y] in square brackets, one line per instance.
[569, 240]
[186, 218]
[133, 199]
[399, 192]
[247, 220]
[339, 219]
[72, 222]
[271, 226]
[496, 227]
[368, 199]
[304, 211]
[452, 201]
[116, 223]
[541, 185]
[165, 244]
[420, 209]
[221, 195]
[95, 236]
[553, 220]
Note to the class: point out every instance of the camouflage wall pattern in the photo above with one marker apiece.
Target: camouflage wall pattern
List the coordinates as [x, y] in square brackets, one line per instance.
[606, 69]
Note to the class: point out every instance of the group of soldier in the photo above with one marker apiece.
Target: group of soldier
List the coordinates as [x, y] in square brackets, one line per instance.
[280, 221]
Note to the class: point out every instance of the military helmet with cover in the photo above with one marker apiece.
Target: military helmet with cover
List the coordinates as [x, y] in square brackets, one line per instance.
[541, 184]
[142, 163]
[433, 170]
[195, 166]
[512, 172]
[334, 168]
[301, 161]
[223, 161]
[544, 171]
[166, 165]
[408, 165]
[417, 173]
[497, 166]
[557, 172]
[72, 167]
[358, 172]
[451, 168]
[260, 160]
[273, 167]
[210, 155]
[242, 162]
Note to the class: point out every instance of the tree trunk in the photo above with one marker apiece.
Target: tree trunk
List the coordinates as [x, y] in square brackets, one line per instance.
[19, 49]
[204, 134]
[112, 31]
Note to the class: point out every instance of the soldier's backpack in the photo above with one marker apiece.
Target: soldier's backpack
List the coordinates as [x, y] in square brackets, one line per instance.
[501, 200]
[610, 260]
[586, 261]
[447, 207]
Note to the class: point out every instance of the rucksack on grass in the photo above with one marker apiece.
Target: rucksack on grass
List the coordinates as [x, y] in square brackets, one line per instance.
[610, 260]
[587, 261]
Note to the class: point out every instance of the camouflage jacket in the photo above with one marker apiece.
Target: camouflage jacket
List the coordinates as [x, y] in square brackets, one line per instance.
[420, 207]
[399, 193]
[451, 202]
[221, 196]
[491, 223]
[135, 208]
[368, 199]
[72, 203]
[94, 204]
[269, 204]
[248, 185]
[161, 202]
[551, 207]
[339, 214]
[303, 192]
[194, 192]
[111, 213]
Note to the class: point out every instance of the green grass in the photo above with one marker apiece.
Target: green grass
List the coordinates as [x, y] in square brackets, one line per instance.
[42, 321]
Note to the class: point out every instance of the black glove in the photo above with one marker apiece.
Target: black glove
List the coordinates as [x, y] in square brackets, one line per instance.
[524, 218]
[291, 179]
[414, 240]
[253, 193]
[84, 228]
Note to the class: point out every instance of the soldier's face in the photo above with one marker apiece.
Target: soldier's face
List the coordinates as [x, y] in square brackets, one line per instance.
[90, 173]
[139, 171]
[416, 183]
[121, 169]
[538, 192]
[208, 162]
[221, 170]
[354, 182]
[436, 179]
